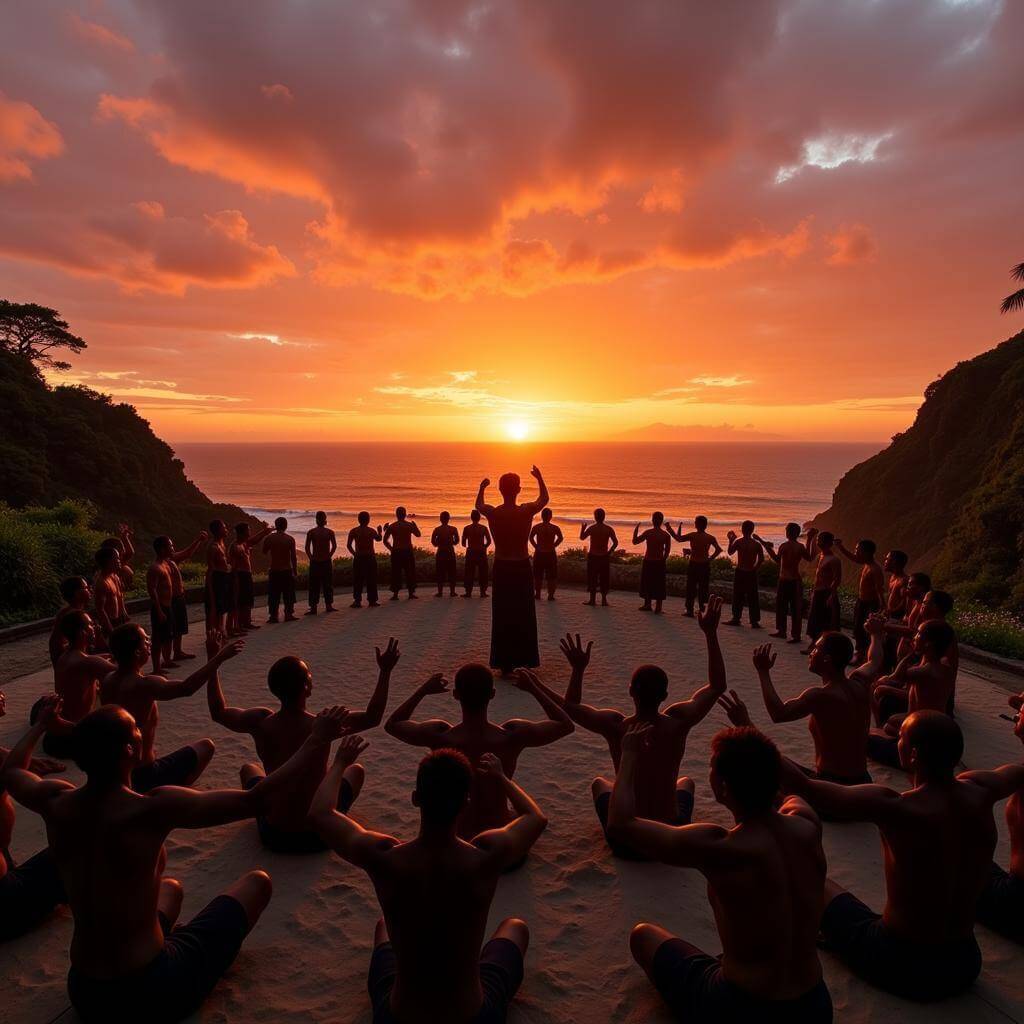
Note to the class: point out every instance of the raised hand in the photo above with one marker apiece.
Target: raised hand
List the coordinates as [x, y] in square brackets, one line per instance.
[49, 708]
[47, 766]
[228, 651]
[525, 679]
[734, 707]
[349, 750]
[535, 473]
[330, 723]
[764, 658]
[388, 659]
[486, 482]
[709, 618]
[435, 684]
[875, 624]
[574, 651]
[637, 738]
[490, 766]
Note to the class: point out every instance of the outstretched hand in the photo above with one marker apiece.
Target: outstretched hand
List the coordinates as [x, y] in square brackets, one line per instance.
[230, 650]
[349, 750]
[535, 473]
[330, 723]
[435, 684]
[637, 738]
[525, 679]
[575, 653]
[49, 707]
[47, 766]
[490, 766]
[732, 704]
[709, 618]
[764, 658]
[875, 624]
[388, 659]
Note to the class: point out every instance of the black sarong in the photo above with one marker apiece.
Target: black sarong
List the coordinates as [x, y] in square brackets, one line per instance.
[652, 580]
[513, 616]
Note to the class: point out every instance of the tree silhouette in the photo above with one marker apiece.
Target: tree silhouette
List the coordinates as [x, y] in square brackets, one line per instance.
[32, 331]
[1015, 300]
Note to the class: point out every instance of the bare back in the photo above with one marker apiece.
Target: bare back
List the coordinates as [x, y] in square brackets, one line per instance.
[839, 724]
[658, 769]
[121, 688]
[76, 678]
[510, 530]
[277, 737]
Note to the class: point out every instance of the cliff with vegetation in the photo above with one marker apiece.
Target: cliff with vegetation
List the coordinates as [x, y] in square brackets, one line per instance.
[950, 490]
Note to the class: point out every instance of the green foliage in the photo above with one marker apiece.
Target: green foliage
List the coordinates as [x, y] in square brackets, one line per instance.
[1000, 632]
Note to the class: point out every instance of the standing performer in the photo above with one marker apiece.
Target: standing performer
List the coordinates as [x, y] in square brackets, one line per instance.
[360, 543]
[320, 547]
[545, 538]
[283, 571]
[513, 615]
[476, 539]
[652, 571]
[789, 594]
[870, 590]
[603, 543]
[218, 579]
[704, 549]
[749, 556]
[444, 538]
[243, 594]
[823, 613]
[398, 540]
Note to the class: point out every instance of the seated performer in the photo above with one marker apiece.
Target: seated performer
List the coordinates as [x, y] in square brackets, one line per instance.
[29, 892]
[545, 538]
[749, 556]
[277, 735]
[870, 590]
[838, 711]
[435, 893]
[360, 543]
[476, 539]
[937, 843]
[603, 544]
[444, 538]
[661, 794]
[652, 570]
[1001, 906]
[77, 596]
[476, 735]
[766, 882]
[397, 539]
[789, 592]
[320, 547]
[128, 960]
[140, 694]
[703, 550]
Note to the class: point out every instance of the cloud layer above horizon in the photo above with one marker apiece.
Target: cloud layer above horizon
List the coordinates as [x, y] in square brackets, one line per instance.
[789, 181]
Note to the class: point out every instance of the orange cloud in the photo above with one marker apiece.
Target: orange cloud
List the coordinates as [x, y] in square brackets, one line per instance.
[101, 35]
[852, 243]
[25, 136]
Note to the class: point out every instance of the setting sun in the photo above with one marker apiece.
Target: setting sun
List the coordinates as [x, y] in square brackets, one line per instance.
[517, 430]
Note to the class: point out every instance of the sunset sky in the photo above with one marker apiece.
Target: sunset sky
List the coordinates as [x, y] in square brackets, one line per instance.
[447, 219]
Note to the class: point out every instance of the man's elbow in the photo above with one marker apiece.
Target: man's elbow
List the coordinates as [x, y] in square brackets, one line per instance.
[391, 728]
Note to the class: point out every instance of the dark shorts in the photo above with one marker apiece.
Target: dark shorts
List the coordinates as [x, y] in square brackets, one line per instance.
[691, 982]
[841, 780]
[652, 580]
[545, 564]
[282, 840]
[684, 814]
[501, 974]
[59, 745]
[28, 894]
[175, 769]
[173, 985]
[219, 592]
[884, 750]
[179, 609]
[914, 970]
[1001, 906]
[243, 595]
[161, 632]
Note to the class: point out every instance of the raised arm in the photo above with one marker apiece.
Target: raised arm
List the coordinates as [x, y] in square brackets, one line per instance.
[687, 846]
[418, 734]
[778, 709]
[637, 538]
[348, 839]
[877, 804]
[538, 734]
[769, 547]
[360, 721]
[159, 688]
[872, 666]
[542, 496]
[481, 506]
[845, 551]
[16, 775]
[704, 699]
[509, 845]
[186, 553]
[585, 530]
[603, 721]
[244, 720]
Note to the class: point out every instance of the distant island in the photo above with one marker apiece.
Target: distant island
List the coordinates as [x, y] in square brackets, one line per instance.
[661, 432]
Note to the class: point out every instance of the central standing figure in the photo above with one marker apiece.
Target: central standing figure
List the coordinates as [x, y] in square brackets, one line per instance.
[513, 615]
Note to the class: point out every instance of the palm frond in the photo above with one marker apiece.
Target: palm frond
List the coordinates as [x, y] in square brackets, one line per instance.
[1013, 302]
[1018, 272]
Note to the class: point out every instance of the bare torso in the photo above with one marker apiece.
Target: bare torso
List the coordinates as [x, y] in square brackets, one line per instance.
[510, 529]
[320, 540]
[839, 725]
[76, 678]
[544, 536]
[401, 532]
[600, 537]
[701, 542]
[240, 556]
[363, 539]
[281, 549]
[277, 738]
[657, 543]
[216, 557]
[658, 769]
[475, 537]
[828, 572]
[122, 688]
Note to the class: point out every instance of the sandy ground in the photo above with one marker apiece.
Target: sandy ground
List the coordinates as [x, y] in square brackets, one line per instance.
[307, 958]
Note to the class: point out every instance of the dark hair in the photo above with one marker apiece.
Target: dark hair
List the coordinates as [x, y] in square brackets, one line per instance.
[443, 781]
[922, 581]
[401, 512]
[936, 739]
[287, 678]
[658, 518]
[161, 544]
[70, 587]
[750, 765]
[701, 522]
[444, 516]
[839, 649]
[649, 685]
[72, 624]
[599, 514]
[364, 518]
[241, 530]
[321, 519]
[105, 557]
[281, 524]
[509, 483]
[98, 740]
[898, 558]
[826, 538]
[943, 600]
[545, 514]
[939, 635]
[792, 530]
[125, 642]
[747, 526]
[216, 525]
[869, 547]
[114, 543]
[474, 686]
[475, 516]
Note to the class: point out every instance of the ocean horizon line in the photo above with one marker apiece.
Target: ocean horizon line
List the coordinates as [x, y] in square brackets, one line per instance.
[526, 443]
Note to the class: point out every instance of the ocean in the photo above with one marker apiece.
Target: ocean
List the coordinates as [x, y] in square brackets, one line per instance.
[771, 483]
